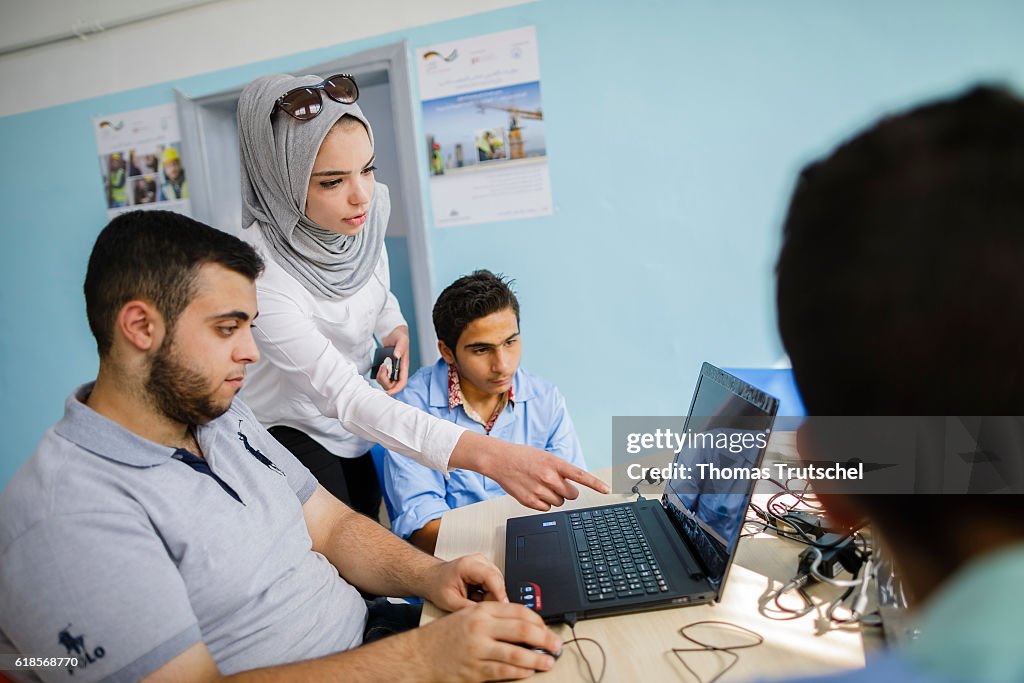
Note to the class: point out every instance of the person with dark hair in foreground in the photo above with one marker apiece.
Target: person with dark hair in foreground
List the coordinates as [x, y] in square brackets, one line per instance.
[478, 384]
[160, 533]
[900, 293]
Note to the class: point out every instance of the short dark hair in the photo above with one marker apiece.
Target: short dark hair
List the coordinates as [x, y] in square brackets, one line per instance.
[155, 256]
[899, 289]
[899, 286]
[469, 298]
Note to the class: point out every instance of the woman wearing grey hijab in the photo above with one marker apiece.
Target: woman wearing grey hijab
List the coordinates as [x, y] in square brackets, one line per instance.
[313, 210]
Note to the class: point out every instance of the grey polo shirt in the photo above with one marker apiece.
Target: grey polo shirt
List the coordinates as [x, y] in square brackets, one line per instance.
[115, 550]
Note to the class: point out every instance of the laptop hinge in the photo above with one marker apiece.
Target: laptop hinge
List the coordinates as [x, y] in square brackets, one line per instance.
[694, 556]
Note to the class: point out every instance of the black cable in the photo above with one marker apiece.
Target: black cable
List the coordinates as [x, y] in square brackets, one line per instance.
[830, 612]
[798, 584]
[636, 490]
[570, 619]
[707, 647]
[768, 521]
[800, 536]
[860, 569]
[649, 479]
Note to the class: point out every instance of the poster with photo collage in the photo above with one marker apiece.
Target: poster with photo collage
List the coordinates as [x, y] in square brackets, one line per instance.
[140, 160]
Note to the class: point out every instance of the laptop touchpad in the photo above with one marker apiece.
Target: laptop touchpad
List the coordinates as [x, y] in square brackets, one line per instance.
[538, 546]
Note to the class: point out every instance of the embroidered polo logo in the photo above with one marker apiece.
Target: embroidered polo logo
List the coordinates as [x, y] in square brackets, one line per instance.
[256, 453]
[75, 645]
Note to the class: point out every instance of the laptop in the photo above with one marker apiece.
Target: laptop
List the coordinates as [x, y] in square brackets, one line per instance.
[649, 554]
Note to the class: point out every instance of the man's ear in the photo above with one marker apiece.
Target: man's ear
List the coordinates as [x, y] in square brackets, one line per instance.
[141, 325]
[842, 508]
[446, 353]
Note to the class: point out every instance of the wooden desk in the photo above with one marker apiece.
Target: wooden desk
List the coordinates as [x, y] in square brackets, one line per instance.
[638, 646]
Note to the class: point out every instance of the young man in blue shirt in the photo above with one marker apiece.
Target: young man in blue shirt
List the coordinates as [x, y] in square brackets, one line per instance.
[478, 384]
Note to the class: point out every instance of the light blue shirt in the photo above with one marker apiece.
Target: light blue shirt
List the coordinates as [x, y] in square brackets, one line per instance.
[536, 417]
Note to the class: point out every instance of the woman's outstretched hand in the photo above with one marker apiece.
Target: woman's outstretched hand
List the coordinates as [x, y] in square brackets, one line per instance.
[535, 478]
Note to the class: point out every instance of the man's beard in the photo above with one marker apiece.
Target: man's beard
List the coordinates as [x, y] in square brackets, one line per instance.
[179, 392]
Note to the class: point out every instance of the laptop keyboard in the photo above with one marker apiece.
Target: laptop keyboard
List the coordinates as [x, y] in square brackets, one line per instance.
[614, 556]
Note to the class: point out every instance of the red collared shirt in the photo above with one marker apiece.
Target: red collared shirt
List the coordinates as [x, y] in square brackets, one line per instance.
[455, 399]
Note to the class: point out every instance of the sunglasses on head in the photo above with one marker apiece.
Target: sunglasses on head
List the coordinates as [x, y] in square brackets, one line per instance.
[306, 103]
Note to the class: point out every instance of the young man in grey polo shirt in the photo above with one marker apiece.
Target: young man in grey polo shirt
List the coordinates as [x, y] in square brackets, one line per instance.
[160, 533]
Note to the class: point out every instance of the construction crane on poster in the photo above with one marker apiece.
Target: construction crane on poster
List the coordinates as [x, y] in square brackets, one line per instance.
[515, 134]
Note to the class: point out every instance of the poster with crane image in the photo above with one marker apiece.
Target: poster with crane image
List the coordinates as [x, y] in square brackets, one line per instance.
[484, 125]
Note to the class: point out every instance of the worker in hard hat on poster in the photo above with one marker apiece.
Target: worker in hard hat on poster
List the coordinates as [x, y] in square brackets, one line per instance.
[117, 190]
[174, 186]
[436, 160]
[497, 146]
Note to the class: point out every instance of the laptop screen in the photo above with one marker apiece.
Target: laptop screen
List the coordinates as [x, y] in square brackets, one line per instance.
[727, 427]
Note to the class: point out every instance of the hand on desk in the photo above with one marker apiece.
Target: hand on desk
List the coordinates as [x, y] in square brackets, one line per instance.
[535, 478]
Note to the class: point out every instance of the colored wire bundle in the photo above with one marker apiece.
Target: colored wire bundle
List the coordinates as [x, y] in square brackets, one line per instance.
[807, 527]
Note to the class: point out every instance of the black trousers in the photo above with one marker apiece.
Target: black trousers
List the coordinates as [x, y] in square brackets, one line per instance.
[353, 481]
[385, 619]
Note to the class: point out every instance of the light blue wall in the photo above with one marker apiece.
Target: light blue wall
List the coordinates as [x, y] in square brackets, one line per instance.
[674, 131]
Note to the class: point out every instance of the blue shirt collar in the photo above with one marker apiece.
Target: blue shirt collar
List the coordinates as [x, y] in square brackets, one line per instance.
[522, 388]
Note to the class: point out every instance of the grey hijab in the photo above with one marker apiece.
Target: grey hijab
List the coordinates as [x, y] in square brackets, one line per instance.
[277, 158]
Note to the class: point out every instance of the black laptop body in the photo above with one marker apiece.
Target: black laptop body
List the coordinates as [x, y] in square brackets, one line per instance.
[550, 558]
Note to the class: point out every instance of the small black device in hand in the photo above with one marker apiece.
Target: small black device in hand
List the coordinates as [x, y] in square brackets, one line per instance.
[382, 353]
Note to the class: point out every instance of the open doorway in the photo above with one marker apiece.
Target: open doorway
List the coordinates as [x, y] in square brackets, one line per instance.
[210, 144]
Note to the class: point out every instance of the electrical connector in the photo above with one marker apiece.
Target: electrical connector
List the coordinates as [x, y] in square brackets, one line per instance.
[836, 551]
[811, 524]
